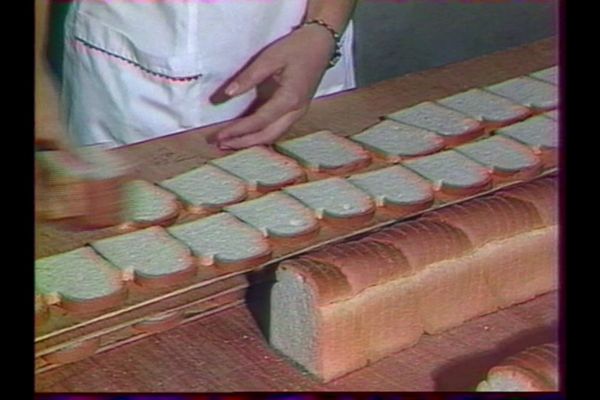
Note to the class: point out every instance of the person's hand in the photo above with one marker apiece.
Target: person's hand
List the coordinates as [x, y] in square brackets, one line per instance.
[286, 75]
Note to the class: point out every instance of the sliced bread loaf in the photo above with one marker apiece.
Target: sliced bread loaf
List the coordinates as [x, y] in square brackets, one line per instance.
[346, 305]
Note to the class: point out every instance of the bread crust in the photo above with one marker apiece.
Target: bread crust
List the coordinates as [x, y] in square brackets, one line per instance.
[533, 369]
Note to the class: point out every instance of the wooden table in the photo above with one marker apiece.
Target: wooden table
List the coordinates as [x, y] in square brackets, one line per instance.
[226, 352]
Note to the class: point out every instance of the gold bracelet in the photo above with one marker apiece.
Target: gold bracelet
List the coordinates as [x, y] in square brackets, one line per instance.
[337, 54]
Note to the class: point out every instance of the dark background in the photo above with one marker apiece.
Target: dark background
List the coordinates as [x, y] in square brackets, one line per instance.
[398, 37]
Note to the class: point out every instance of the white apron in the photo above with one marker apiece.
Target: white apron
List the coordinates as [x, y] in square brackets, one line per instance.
[135, 70]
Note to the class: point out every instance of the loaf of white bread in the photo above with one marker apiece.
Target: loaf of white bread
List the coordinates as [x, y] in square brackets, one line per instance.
[534, 369]
[346, 305]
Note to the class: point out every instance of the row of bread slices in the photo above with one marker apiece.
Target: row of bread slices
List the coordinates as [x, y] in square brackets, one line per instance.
[405, 137]
[234, 237]
[464, 170]
[420, 130]
[408, 134]
[86, 279]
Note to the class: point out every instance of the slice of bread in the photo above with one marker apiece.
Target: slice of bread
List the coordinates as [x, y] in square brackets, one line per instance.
[396, 188]
[508, 159]
[223, 240]
[452, 174]
[394, 141]
[79, 280]
[549, 75]
[335, 200]
[452, 126]
[277, 215]
[486, 107]
[206, 188]
[326, 152]
[540, 134]
[535, 94]
[151, 257]
[146, 204]
[263, 170]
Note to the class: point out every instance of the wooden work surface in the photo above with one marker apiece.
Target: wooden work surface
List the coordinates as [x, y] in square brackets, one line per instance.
[225, 352]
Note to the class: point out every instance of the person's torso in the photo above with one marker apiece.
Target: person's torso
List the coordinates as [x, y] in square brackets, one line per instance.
[143, 69]
[186, 38]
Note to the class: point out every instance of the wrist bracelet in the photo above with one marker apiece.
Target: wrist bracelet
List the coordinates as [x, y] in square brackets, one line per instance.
[337, 53]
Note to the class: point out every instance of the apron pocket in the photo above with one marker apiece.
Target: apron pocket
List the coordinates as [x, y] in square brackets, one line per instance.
[96, 35]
